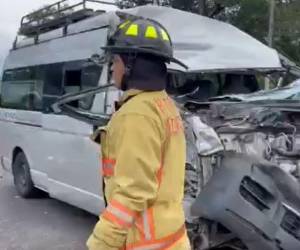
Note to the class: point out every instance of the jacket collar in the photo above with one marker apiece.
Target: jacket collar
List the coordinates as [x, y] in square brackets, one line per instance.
[127, 96]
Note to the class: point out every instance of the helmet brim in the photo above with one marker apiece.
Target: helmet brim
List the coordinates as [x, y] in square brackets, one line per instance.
[145, 50]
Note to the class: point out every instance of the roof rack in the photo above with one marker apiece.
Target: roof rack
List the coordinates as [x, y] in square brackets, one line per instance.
[57, 15]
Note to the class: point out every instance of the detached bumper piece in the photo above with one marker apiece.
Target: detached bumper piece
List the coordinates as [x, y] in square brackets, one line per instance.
[248, 198]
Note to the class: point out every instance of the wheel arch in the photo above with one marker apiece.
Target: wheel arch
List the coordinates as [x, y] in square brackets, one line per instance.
[15, 152]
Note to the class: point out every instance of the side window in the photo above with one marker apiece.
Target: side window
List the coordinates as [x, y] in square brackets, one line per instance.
[53, 85]
[21, 89]
[72, 79]
[38, 87]
[90, 76]
[89, 79]
[78, 76]
[8, 75]
[52, 74]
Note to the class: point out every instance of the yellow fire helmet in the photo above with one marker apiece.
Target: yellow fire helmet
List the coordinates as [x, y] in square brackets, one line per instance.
[142, 36]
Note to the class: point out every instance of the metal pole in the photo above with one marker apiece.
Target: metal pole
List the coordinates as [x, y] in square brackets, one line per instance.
[270, 33]
[271, 23]
[202, 7]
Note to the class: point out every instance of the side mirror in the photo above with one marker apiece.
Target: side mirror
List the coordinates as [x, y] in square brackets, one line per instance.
[98, 59]
[95, 60]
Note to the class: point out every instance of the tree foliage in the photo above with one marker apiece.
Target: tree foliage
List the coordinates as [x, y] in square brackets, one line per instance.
[287, 29]
[252, 16]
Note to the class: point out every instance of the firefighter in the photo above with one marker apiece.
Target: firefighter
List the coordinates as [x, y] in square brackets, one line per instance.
[143, 147]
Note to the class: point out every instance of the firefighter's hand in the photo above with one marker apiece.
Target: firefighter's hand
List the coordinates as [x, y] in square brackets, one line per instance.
[93, 244]
[106, 236]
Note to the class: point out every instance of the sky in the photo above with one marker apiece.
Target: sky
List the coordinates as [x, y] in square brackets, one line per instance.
[11, 12]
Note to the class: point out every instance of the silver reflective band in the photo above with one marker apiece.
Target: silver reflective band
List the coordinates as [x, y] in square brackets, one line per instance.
[146, 226]
[118, 213]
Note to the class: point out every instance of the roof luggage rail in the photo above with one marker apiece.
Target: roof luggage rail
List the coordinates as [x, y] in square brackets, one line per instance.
[57, 15]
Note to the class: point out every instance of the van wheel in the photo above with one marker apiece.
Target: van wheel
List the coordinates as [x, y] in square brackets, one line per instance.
[22, 177]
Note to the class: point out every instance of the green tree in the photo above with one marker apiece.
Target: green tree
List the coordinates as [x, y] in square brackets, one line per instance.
[250, 16]
[287, 29]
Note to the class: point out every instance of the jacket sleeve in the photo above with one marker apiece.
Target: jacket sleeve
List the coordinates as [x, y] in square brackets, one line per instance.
[137, 143]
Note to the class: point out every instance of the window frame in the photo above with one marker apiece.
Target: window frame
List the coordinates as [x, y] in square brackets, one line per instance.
[38, 75]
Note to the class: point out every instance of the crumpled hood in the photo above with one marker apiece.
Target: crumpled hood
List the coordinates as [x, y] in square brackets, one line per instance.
[205, 44]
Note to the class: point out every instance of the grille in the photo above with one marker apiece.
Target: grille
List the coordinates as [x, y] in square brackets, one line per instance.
[291, 223]
[255, 194]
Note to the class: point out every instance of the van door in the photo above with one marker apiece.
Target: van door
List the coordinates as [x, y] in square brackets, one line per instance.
[20, 116]
[74, 160]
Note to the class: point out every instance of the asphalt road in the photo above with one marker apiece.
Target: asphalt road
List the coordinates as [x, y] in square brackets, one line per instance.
[40, 224]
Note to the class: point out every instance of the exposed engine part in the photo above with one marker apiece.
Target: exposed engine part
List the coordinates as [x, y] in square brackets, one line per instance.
[206, 139]
[278, 149]
[208, 136]
[201, 140]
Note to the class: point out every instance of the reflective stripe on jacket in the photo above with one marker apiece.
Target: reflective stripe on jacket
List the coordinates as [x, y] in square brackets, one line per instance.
[143, 164]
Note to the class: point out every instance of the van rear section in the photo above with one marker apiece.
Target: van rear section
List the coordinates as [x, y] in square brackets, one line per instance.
[50, 58]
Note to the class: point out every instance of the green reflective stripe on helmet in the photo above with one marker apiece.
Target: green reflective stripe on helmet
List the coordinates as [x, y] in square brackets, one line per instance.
[133, 30]
[151, 32]
[122, 25]
[144, 36]
[165, 35]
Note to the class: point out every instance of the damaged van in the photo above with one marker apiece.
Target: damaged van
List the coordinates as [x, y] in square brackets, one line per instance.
[55, 93]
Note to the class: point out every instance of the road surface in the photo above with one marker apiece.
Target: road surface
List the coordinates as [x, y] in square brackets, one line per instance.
[40, 224]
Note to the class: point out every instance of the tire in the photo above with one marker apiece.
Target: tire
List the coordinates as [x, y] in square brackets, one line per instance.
[22, 177]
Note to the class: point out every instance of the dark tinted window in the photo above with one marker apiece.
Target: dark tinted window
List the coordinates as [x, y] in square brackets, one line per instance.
[89, 79]
[8, 75]
[78, 76]
[52, 75]
[72, 78]
[23, 74]
[90, 76]
[22, 94]
[38, 87]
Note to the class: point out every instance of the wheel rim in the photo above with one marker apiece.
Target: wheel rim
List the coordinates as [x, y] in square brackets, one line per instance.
[21, 175]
